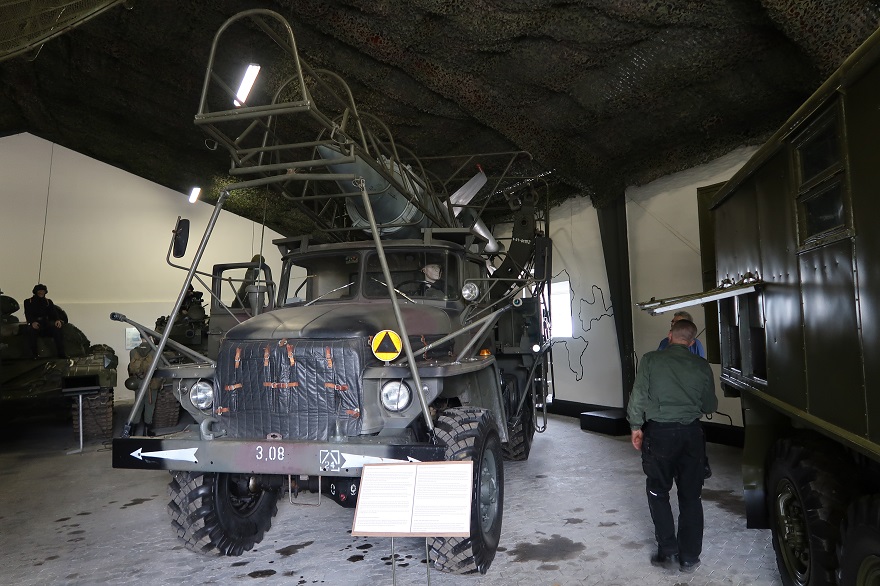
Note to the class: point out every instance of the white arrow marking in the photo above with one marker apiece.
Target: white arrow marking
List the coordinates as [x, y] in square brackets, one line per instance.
[186, 454]
[358, 461]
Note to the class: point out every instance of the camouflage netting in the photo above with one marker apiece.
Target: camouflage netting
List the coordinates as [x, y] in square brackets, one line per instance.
[607, 93]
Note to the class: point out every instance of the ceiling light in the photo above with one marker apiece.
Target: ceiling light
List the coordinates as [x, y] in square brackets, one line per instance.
[194, 194]
[247, 83]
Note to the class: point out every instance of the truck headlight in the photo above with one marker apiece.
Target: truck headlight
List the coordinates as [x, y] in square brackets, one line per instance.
[396, 396]
[202, 395]
[470, 291]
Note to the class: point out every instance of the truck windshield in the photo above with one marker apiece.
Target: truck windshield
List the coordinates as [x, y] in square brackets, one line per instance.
[327, 277]
[416, 274]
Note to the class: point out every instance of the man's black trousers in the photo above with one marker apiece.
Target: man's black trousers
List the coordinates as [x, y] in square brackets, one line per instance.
[675, 452]
[47, 328]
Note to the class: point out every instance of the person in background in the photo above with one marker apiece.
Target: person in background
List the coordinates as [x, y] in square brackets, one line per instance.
[672, 391]
[696, 347]
[43, 319]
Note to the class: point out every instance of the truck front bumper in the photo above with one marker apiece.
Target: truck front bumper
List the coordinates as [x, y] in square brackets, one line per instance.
[187, 451]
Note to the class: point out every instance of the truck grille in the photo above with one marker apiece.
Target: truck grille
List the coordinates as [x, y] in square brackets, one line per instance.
[296, 388]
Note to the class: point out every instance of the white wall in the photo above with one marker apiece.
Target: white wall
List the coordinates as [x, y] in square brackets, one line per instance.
[587, 366]
[106, 236]
[664, 250]
[664, 256]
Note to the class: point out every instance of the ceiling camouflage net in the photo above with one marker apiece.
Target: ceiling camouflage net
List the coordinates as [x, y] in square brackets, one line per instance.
[602, 93]
[26, 26]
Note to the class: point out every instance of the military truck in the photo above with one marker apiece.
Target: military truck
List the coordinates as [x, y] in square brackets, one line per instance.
[400, 330]
[796, 254]
[36, 386]
[191, 339]
[160, 409]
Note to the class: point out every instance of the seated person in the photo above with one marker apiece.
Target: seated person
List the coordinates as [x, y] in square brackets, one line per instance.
[433, 285]
[43, 319]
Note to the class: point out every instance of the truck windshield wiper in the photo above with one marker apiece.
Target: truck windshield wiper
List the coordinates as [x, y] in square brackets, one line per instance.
[328, 293]
[396, 290]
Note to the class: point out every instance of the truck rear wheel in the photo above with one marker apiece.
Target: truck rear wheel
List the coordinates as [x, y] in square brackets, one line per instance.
[216, 513]
[521, 429]
[472, 434]
[806, 504]
[859, 551]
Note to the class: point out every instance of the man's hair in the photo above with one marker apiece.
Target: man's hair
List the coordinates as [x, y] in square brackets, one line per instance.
[685, 330]
[683, 315]
[40, 287]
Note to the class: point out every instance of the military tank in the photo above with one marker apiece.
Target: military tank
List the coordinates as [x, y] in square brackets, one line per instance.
[35, 386]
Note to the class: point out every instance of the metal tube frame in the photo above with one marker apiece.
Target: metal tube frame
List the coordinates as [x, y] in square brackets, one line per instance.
[145, 385]
[410, 357]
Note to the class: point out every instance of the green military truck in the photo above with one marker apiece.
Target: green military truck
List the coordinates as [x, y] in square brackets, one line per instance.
[796, 254]
[192, 337]
[189, 330]
[399, 330]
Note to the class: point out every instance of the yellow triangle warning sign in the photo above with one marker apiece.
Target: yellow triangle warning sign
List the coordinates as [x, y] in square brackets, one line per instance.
[386, 345]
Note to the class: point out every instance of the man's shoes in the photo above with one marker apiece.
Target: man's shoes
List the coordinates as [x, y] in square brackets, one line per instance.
[663, 561]
[689, 567]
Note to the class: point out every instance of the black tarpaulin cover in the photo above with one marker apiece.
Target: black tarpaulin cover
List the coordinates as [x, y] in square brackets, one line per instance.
[296, 388]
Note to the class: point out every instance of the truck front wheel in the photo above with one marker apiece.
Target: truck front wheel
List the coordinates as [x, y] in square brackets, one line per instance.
[806, 500]
[218, 512]
[472, 434]
[859, 552]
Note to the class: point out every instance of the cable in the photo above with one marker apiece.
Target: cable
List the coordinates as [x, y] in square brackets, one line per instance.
[46, 214]
[709, 416]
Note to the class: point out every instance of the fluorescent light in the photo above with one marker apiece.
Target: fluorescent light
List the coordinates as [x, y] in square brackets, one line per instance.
[194, 194]
[247, 83]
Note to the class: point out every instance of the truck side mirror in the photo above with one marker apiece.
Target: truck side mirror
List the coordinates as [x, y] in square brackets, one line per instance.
[181, 238]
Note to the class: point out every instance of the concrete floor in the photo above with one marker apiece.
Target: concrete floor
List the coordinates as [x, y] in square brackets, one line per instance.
[575, 513]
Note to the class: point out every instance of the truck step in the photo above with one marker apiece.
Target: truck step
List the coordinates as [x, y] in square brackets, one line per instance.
[611, 421]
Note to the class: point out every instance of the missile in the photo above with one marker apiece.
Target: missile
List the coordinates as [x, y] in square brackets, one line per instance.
[389, 205]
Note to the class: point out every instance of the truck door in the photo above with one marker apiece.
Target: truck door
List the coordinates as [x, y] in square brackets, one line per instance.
[239, 291]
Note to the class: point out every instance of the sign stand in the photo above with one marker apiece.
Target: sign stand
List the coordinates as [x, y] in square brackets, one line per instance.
[79, 392]
[415, 499]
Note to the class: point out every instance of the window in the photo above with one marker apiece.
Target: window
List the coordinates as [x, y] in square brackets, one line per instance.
[414, 274]
[744, 335]
[823, 211]
[757, 336]
[560, 310]
[821, 181]
[327, 277]
[729, 310]
[820, 152]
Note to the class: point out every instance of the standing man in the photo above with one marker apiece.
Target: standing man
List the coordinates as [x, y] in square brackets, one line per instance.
[696, 346]
[43, 319]
[672, 391]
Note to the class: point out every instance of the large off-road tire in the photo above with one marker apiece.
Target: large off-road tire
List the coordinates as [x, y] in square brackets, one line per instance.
[97, 416]
[216, 513]
[859, 550]
[167, 411]
[520, 427]
[472, 434]
[807, 498]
